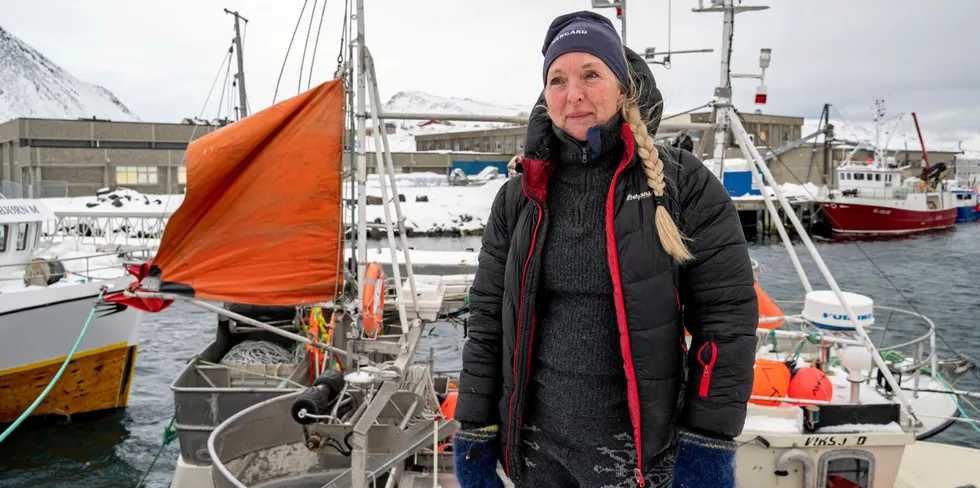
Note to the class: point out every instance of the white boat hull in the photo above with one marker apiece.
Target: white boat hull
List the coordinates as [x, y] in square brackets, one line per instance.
[39, 326]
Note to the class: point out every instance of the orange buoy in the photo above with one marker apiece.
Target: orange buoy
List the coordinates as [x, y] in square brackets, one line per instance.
[768, 309]
[811, 384]
[448, 406]
[373, 301]
[771, 379]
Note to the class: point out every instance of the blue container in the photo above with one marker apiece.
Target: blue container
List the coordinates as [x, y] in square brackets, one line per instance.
[473, 168]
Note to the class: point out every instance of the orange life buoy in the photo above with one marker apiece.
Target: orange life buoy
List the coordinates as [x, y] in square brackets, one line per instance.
[373, 301]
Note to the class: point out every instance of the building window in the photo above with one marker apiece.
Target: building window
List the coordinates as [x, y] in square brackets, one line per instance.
[455, 145]
[182, 175]
[22, 236]
[486, 146]
[466, 144]
[508, 144]
[496, 146]
[136, 175]
[520, 144]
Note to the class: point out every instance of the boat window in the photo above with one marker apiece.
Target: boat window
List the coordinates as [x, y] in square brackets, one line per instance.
[3, 238]
[859, 176]
[850, 469]
[22, 236]
[878, 177]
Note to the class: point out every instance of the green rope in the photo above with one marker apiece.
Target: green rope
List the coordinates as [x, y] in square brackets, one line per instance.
[169, 435]
[956, 400]
[10, 430]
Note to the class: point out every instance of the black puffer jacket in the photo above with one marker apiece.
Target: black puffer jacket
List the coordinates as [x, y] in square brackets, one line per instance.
[713, 297]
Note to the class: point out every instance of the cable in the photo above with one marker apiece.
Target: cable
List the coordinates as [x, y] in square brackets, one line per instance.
[290, 47]
[306, 43]
[316, 43]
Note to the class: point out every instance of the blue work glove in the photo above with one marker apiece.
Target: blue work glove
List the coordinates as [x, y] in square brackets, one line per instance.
[475, 457]
[704, 462]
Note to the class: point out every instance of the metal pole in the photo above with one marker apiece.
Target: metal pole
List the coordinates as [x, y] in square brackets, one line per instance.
[743, 141]
[243, 110]
[378, 159]
[723, 93]
[238, 317]
[862, 333]
[361, 153]
[624, 21]
[376, 101]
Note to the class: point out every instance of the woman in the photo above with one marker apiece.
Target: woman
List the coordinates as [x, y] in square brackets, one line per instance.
[594, 261]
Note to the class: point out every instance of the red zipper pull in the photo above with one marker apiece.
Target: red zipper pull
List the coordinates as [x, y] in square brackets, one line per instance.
[639, 477]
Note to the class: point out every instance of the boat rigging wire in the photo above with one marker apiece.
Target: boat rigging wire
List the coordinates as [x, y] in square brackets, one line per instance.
[858, 245]
[306, 44]
[316, 44]
[288, 48]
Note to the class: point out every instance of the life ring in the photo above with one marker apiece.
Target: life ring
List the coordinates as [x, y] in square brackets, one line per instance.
[373, 300]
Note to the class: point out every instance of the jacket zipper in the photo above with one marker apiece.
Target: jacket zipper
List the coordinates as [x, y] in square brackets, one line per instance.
[611, 251]
[515, 423]
[707, 367]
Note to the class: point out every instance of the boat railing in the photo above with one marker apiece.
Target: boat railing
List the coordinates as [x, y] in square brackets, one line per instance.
[912, 352]
[125, 254]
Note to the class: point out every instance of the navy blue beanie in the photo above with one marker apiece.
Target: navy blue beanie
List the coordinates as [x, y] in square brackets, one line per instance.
[587, 32]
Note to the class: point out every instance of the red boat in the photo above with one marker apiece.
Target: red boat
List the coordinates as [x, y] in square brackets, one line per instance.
[870, 199]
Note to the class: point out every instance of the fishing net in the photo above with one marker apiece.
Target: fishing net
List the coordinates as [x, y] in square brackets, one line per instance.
[258, 352]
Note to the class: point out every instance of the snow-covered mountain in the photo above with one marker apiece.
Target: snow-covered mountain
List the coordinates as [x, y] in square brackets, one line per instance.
[31, 85]
[419, 102]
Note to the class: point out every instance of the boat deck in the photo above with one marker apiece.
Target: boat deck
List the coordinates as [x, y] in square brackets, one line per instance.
[932, 465]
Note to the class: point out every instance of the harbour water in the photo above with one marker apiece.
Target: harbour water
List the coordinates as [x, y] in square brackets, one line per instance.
[934, 274]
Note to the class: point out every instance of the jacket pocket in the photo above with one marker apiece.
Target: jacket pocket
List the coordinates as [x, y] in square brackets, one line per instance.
[707, 355]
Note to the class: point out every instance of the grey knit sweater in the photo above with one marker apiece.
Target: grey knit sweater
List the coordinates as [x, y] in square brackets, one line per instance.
[577, 373]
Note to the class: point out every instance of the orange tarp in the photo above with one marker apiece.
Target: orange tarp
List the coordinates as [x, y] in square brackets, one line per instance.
[261, 219]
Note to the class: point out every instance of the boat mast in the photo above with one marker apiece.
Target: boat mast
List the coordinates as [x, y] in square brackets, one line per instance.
[723, 92]
[361, 121]
[242, 102]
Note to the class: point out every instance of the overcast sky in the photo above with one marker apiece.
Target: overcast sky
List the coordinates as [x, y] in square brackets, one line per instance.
[160, 58]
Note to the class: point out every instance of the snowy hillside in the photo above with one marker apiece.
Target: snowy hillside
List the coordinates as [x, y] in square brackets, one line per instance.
[33, 86]
[419, 102]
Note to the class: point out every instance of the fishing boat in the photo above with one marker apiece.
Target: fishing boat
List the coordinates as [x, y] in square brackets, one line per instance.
[349, 402]
[45, 295]
[967, 204]
[873, 198]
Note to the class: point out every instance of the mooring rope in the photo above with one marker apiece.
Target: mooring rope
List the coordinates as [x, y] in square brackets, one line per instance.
[10, 429]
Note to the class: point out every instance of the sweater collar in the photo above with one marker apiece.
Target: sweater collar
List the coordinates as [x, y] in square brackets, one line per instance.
[602, 141]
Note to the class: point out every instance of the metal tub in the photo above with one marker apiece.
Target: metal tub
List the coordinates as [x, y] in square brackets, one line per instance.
[206, 395]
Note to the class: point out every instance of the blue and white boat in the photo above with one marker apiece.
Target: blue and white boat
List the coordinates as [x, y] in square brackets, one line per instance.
[967, 204]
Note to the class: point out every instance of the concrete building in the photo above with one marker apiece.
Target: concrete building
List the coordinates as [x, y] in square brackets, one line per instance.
[506, 140]
[56, 157]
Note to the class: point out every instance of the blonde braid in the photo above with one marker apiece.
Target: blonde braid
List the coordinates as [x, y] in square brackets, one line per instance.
[670, 237]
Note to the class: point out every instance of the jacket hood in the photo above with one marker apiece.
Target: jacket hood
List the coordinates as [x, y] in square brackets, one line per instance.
[540, 139]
